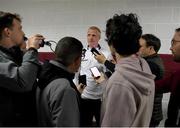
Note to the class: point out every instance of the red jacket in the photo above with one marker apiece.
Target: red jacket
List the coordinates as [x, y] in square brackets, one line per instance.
[168, 84]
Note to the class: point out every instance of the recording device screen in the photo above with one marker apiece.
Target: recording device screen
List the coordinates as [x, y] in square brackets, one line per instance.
[95, 72]
[82, 79]
[93, 50]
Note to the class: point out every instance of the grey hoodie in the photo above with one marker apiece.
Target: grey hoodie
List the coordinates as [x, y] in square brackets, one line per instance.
[129, 94]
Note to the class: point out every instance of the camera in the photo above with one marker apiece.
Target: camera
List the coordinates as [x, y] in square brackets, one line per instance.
[44, 43]
[41, 44]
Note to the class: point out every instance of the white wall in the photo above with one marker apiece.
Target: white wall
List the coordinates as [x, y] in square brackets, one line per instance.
[58, 18]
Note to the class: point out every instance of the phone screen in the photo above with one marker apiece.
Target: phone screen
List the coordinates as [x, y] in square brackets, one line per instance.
[95, 72]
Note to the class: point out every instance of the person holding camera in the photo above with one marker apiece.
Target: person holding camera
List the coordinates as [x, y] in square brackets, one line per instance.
[18, 72]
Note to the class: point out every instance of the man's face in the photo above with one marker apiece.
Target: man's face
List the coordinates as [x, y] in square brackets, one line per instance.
[16, 33]
[175, 47]
[93, 37]
[144, 50]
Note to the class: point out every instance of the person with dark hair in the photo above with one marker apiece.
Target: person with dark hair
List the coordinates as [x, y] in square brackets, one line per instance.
[18, 72]
[151, 42]
[149, 47]
[172, 84]
[129, 92]
[58, 99]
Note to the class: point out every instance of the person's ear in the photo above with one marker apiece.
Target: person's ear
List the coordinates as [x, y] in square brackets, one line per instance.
[151, 48]
[6, 32]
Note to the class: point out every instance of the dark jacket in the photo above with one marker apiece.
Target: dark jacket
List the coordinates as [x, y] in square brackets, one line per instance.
[109, 65]
[18, 73]
[157, 68]
[58, 100]
[171, 84]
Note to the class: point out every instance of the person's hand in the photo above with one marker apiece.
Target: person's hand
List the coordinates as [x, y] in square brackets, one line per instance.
[100, 58]
[100, 79]
[34, 41]
[80, 87]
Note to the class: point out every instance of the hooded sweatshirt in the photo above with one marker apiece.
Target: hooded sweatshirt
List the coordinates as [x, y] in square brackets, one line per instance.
[58, 99]
[129, 94]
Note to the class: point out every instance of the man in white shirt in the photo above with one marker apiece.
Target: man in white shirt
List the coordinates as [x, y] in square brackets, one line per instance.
[92, 94]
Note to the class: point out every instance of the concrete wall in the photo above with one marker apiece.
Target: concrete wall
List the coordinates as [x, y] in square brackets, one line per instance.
[58, 18]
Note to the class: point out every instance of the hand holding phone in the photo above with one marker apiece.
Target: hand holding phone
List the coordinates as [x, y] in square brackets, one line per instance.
[93, 50]
[95, 72]
[98, 77]
[80, 88]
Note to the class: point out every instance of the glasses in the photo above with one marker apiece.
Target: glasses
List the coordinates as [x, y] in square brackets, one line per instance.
[174, 41]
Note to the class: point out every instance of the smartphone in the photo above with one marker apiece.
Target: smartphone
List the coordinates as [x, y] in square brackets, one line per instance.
[95, 72]
[82, 79]
[93, 50]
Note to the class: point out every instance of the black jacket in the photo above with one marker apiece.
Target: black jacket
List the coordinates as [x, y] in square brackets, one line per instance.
[18, 73]
[157, 68]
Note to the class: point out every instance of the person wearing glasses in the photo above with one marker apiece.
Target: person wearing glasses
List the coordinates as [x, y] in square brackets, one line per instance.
[172, 84]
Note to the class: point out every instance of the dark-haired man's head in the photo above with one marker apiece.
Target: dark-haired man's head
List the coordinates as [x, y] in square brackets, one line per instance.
[123, 33]
[10, 30]
[69, 51]
[175, 45]
[149, 45]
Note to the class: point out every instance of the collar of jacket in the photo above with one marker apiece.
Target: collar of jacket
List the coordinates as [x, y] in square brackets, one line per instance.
[51, 71]
[151, 56]
[99, 47]
[15, 54]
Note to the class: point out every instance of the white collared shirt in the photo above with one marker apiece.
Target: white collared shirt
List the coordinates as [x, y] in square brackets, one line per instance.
[92, 90]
